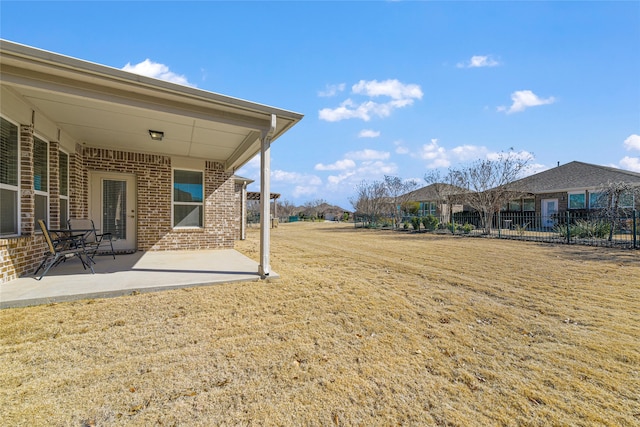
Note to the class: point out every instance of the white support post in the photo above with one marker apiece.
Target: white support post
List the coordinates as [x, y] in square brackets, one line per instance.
[265, 198]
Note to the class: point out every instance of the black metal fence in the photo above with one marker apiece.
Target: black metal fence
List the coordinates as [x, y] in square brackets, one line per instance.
[586, 228]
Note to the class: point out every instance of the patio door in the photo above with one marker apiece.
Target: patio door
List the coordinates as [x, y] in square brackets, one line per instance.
[549, 209]
[112, 204]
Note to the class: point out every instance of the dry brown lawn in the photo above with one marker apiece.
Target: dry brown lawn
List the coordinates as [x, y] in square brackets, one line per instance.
[371, 328]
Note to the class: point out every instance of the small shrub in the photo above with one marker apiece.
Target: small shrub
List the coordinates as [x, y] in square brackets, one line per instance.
[520, 229]
[430, 222]
[415, 222]
[585, 229]
[467, 228]
[405, 225]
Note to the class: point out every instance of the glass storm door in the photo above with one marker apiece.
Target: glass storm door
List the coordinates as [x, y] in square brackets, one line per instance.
[549, 209]
[113, 208]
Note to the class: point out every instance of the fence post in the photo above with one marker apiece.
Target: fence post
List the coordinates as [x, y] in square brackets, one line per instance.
[499, 225]
[568, 229]
[635, 228]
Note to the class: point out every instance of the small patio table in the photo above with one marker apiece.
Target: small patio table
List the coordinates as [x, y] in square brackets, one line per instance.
[72, 236]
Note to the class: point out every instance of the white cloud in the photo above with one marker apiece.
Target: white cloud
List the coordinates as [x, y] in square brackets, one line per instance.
[630, 163]
[301, 190]
[392, 88]
[632, 143]
[331, 90]
[370, 165]
[368, 133]
[435, 155]
[400, 147]
[523, 99]
[157, 71]
[295, 178]
[478, 61]
[402, 95]
[337, 179]
[368, 154]
[336, 166]
[467, 152]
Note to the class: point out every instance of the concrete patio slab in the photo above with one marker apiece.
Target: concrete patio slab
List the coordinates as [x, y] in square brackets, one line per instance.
[141, 272]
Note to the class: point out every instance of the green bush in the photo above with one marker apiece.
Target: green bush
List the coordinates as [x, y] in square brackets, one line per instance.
[415, 222]
[467, 228]
[585, 229]
[430, 222]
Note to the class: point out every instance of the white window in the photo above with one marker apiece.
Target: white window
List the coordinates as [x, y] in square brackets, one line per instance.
[64, 188]
[41, 180]
[9, 177]
[577, 200]
[188, 197]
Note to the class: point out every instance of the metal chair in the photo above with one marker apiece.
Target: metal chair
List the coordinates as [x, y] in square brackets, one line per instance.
[92, 239]
[59, 248]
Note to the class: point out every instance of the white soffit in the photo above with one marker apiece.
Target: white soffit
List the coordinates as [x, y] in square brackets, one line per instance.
[104, 107]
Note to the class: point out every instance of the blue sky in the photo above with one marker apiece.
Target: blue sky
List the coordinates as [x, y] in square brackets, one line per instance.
[387, 88]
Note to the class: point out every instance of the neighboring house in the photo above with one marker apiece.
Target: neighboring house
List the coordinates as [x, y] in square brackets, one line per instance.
[324, 211]
[436, 199]
[575, 186]
[150, 161]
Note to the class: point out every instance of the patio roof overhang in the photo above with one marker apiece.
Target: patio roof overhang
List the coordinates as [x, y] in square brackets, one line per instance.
[105, 107]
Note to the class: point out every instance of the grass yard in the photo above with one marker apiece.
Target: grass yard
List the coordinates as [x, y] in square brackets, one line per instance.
[371, 328]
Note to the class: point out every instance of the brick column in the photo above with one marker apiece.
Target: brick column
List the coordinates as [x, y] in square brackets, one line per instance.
[27, 193]
[54, 185]
[78, 188]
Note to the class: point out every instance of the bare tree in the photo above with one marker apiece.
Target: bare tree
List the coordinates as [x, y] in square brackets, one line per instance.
[286, 208]
[370, 200]
[489, 183]
[253, 211]
[398, 194]
[615, 199]
[313, 208]
[446, 191]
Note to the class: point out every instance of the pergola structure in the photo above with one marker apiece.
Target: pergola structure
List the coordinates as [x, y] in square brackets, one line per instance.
[257, 196]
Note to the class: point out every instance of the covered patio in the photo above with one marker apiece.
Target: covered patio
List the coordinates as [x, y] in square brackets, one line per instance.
[151, 162]
[126, 274]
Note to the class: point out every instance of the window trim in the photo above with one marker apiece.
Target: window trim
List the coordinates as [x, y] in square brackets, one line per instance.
[15, 188]
[531, 200]
[512, 203]
[174, 203]
[633, 200]
[597, 194]
[574, 193]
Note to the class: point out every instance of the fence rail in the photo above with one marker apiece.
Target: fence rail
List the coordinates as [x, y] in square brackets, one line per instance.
[585, 228]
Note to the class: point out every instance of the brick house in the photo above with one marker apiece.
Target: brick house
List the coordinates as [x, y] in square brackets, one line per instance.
[573, 187]
[432, 200]
[150, 161]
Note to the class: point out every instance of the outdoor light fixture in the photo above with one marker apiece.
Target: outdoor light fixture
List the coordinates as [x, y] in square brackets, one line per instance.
[156, 135]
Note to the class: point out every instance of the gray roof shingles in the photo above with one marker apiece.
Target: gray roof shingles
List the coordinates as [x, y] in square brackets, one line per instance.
[575, 176]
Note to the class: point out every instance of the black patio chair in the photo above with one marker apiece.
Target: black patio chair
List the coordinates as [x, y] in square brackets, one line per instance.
[92, 239]
[61, 246]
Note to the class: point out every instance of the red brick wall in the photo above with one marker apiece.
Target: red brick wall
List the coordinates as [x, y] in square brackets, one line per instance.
[154, 189]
